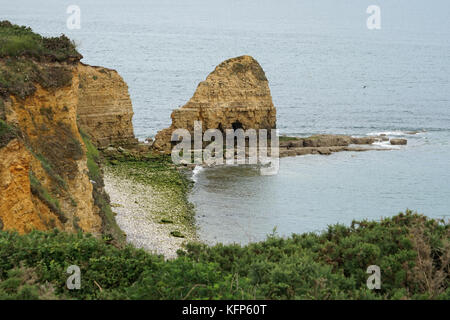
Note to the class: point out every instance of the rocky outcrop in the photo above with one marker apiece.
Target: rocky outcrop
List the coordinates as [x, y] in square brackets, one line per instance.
[396, 142]
[326, 144]
[235, 95]
[104, 106]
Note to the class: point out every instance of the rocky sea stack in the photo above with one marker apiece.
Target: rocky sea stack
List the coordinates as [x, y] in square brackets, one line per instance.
[235, 95]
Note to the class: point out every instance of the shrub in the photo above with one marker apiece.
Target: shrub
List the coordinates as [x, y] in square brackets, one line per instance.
[7, 133]
[330, 265]
[110, 228]
[22, 41]
[38, 189]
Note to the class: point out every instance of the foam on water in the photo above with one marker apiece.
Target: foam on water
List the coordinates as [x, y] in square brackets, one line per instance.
[196, 171]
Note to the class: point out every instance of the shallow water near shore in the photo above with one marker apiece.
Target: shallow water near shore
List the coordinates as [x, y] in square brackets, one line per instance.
[327, 73]
[310, 192]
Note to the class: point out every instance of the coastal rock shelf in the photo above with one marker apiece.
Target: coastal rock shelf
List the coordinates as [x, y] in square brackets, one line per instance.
[328, 144]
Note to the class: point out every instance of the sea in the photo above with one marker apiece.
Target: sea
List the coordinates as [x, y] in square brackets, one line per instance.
[328, 72]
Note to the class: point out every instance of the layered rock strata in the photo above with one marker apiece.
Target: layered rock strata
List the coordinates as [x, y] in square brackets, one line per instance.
[235, 95]
[46, 161]
[104, 106]
[49, 177]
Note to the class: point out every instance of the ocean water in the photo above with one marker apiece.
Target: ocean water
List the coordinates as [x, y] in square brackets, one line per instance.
[328, 74]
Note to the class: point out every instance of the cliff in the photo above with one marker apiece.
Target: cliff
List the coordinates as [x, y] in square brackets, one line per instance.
[104, 106]
[51, 152]
[235, 95]
[49, 173]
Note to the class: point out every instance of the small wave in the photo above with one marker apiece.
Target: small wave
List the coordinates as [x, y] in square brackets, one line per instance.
[396, 133]
[195, 172]
[385, 144]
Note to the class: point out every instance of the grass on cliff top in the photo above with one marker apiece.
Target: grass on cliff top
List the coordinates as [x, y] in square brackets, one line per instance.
[412, 251]
[22, 50]
[22, 41]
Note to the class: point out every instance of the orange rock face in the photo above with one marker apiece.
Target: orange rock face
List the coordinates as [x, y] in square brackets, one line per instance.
[20, 210]
[44, 181]
[235, 95]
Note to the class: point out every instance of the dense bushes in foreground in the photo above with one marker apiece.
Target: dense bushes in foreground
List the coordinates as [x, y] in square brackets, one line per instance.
[412, 251]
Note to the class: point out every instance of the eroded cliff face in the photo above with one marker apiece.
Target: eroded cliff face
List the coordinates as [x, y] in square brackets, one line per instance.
[20, 209]
[54, 162]
[235, 95]
[104, 106]
[45, 181]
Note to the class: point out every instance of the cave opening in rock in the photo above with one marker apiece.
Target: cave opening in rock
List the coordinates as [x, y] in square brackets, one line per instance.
[237, 125]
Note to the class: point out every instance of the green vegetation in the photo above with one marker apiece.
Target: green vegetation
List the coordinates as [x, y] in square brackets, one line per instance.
[155, 168]
[93, 157]
[177, 234]
[169, 188]
[22, 41]
[7, 133]
[287, 138]
[412, 251]
[49, 169]
[38, 189]
[22, 284]
[111, 230]
[18, 76]
[22, 50]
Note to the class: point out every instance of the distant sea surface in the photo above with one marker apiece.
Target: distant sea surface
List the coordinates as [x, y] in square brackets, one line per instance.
[327, 73]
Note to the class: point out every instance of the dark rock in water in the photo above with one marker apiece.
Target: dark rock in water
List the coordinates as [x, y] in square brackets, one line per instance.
[327, 140]
[363, 140]
[294, 144]
[398, 141]
[323, 144]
